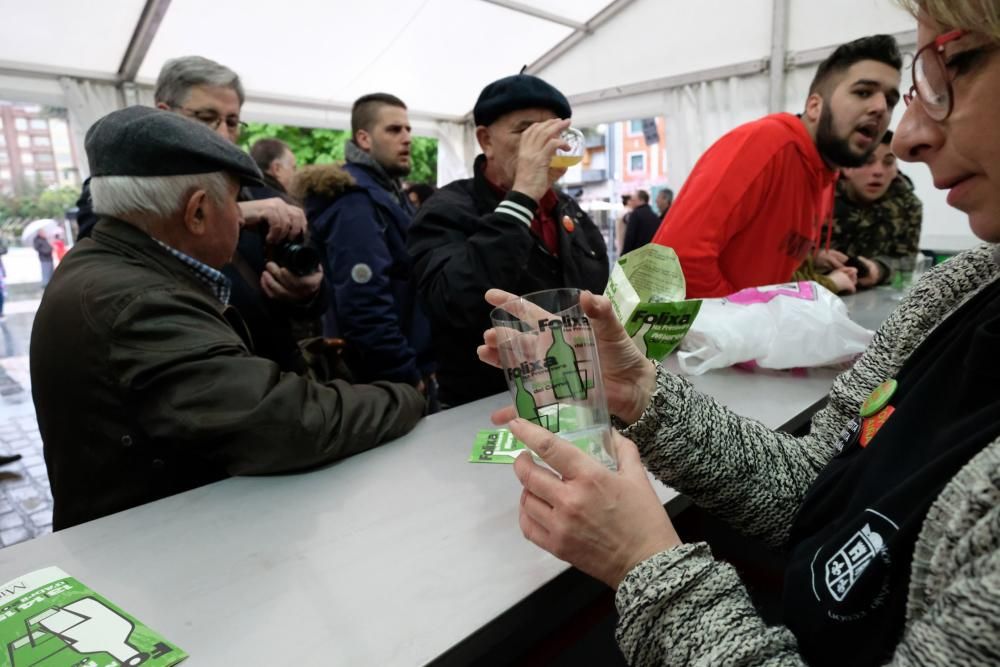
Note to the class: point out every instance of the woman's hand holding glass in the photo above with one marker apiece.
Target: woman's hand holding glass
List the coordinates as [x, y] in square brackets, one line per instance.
[629, 378]
[603, 522]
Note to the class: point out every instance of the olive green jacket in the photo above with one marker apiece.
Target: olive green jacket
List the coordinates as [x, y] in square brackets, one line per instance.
[143, 388]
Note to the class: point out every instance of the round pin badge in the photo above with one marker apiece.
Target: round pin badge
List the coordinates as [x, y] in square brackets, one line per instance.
[568, 224]
[361, 273]
[878, 398]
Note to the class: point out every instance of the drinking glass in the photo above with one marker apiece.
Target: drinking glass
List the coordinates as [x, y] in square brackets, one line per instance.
[564, 158]
[549, 356]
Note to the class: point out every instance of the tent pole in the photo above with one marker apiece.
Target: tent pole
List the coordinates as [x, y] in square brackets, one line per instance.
[142, 38]
[779, 46]
[537, 13]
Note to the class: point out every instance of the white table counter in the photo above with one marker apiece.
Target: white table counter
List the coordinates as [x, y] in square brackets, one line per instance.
[392, 557]
[871, 307]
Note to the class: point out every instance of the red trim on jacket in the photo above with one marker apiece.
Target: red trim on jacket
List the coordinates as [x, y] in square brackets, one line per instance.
[543, 225]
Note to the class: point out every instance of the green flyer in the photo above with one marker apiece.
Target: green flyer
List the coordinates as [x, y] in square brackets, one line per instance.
[647, 289]
[498, 445]
[49, 619]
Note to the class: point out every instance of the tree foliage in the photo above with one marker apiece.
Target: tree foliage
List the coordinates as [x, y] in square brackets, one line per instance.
[321, 146]
[37, 202]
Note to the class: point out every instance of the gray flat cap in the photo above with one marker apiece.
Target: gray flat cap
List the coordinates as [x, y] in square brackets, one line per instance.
[142, 141]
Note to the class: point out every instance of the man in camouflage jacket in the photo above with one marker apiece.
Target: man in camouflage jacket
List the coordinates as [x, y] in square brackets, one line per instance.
[876, 218]
[877, 215]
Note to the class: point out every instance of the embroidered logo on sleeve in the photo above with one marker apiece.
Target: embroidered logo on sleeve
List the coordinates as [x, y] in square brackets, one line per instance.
[845, 567]
[361, 273]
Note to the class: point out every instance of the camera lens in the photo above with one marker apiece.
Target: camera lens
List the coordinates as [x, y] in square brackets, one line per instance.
[298, 258]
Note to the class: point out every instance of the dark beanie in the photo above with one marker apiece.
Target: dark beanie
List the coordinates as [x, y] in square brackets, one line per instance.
[521, 91]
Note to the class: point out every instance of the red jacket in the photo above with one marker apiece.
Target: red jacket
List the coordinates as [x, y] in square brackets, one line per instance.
[752, 208]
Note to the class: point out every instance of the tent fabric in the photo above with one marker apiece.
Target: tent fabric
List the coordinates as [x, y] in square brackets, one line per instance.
[456, 150]
[87, 101]
[304, 62]
[698, 114]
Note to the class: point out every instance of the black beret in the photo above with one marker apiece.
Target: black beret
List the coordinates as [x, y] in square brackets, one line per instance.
[142, 141]
[521, 91]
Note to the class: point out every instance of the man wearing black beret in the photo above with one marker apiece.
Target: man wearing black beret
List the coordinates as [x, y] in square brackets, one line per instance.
[505, 227]
[142, 376]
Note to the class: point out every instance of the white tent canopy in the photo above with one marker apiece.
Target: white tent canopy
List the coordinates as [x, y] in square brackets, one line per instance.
[704, 65]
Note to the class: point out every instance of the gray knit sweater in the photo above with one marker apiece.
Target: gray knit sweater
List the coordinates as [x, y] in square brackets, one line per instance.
[681, 607]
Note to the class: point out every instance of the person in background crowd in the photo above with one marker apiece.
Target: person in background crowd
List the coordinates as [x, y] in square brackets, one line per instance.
[44, 250]
[58, 246]
[359, 217]
[276, 162]
[877, 217]
[3, 276]
[642, 224]
[888, 510]
[419, 193]
[753, 207]
[160, 392]
[664, 199]
[505, 226]
[621, 222]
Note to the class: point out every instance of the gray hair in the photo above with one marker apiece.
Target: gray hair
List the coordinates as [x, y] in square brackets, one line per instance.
[160, 197]
[180, 75]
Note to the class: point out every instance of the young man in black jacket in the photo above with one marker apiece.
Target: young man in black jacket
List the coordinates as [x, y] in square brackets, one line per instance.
[505, 227]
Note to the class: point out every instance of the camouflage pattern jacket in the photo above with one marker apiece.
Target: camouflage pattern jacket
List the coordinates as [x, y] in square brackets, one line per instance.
[681, 607]
[887, 231]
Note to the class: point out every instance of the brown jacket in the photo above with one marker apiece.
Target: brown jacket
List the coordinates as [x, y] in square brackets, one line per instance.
[143, 387]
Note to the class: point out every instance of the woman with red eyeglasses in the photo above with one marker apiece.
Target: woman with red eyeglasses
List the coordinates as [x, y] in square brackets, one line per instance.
[889, 510]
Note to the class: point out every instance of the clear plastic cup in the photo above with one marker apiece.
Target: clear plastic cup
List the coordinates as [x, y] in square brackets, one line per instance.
[910, 271]
[549, 356]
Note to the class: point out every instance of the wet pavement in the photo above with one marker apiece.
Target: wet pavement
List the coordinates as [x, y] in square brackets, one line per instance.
[25, 498]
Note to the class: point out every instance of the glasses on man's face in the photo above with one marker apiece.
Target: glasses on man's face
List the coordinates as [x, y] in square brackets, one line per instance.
[212, 119]
[931, 79]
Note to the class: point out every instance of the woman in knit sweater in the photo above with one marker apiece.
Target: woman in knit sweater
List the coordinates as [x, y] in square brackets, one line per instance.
[889, 509]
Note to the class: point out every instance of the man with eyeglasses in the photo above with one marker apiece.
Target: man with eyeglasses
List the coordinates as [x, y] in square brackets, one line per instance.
[274, 302]
[756, 204]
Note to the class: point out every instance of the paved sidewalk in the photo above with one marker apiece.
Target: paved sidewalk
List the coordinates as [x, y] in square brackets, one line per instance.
[25, 498]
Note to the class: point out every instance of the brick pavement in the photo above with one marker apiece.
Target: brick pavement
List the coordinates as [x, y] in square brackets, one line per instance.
[25, 498]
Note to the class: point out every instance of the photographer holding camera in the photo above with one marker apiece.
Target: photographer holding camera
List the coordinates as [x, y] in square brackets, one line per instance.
[278, 305]
[276, 301]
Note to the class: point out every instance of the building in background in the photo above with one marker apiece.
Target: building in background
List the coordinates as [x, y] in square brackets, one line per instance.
[35, 149]
[642, 154]
[619, 159]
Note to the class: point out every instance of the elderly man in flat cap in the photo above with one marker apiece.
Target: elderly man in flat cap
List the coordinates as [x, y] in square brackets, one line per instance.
[143, 379]
[277, 304]
[505, 227]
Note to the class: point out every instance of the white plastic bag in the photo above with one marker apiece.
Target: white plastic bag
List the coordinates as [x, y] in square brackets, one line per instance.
[794, 325]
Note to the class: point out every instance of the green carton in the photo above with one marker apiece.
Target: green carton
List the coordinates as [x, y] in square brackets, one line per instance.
[647, 292]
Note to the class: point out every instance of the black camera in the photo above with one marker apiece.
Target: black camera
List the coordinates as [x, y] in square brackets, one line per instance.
[859, 265]
[293, 254]
[299, 258]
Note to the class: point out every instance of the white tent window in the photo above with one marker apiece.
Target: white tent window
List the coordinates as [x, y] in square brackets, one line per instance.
[86, 102]
[697, 115]
[633, 59]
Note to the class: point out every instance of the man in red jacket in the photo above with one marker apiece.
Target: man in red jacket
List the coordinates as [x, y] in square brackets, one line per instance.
[755, 203]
